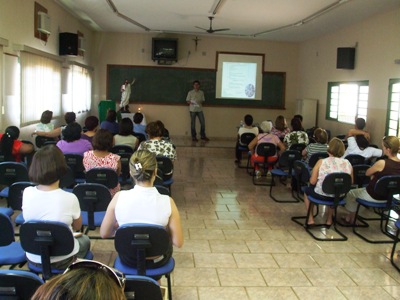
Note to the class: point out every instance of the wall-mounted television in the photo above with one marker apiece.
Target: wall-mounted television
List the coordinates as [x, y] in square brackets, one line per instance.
[164, 49]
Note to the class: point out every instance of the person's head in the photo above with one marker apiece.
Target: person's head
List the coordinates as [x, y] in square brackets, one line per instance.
[126, 127]
[336, 147]
[46, 117]
[248, 120]
[280, 123]
[83, 280]
[143, 165]
[72, 132]
[126, 81]
[153, 130]
[91, 123]
[300, 117]
[111, 115]
[69, 117]
[48, 165]
[265, 126]
[392, 144]
[7, 141]
[360, 123]
[320, 136]
[361, 141]
[296, 124]
[103, 140]
[138, 118]
[196, 84]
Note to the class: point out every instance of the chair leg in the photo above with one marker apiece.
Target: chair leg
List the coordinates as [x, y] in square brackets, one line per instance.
[169, 286]
[383, 225]
[295, 199]
[396, 240]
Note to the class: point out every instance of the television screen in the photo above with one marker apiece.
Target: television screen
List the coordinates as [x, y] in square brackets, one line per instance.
[165, 49]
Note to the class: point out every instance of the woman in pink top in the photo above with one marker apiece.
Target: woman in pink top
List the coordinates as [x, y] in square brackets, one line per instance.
[265, 137]
[332, 164]
[101, 157]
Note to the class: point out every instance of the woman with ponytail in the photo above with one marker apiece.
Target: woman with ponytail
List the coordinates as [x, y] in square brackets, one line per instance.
[11, 147]
[143, 204]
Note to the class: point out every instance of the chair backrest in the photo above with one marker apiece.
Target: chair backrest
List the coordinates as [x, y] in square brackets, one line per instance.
[166, 166]
[68, 180]
[360, 179]
[125, 157]
[6, 157]
[75, 162]
[40, 141]
[301, 172]
[287, 159]
[266, 150]
[355, 159]
[7, 230]
[18, 284]
[162, 190]
[11, 172]
[121, 149]
[388, 186]
[15, 194]
[141, 137]
[46, 238]
[337, 184]
[142, 288]
[104, 176]
[298, 147]
[246, 138]
[314, 158]
[140, 241]
[93, 197]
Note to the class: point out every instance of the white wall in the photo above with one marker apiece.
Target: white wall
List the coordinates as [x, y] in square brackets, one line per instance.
[378, 45]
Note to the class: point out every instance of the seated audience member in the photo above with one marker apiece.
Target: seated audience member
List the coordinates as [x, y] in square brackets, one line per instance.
[47, 202]
[265, 137]
[69, 117]
[320, 145]
[101, 157]
[280, 129]
[143, 204]
[11, 147]
[91, 125]
[83, 280]
[110, 123]
[72, 142]
[125, 136]
[137, 126]
[247, 128]
[45, 120]
[332, 164]
[300, 118]
[383, 167]
[297, 135]
[156, 144]
[164, 131]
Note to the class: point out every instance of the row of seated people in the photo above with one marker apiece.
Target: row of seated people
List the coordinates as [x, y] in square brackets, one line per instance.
[142, 204]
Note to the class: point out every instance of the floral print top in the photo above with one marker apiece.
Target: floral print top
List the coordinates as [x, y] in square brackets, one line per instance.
[296, 137]
[159, 147]
[331, 165]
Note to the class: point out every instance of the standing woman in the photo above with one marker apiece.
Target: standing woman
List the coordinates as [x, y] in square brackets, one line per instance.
[47, 202]
[143, 204]
[11, 147]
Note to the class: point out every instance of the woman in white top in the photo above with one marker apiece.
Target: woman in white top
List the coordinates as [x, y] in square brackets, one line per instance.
[143, 204]
[47, 202]
[125, 135]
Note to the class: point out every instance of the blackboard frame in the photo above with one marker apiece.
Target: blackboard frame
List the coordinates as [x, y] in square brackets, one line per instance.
[169, 86]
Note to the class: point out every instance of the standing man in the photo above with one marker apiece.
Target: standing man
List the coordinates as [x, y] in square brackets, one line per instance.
[125, 94]
[195, 99]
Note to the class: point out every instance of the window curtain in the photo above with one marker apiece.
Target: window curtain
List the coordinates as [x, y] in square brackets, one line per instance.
[81, 88]
[40, 87]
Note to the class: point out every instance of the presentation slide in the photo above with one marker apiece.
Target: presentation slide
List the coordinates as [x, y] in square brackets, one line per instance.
[239, 76]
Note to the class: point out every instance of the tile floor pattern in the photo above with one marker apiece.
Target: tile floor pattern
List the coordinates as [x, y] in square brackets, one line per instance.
[239, 244]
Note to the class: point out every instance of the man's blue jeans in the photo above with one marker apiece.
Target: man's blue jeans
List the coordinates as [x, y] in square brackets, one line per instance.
[200, 115]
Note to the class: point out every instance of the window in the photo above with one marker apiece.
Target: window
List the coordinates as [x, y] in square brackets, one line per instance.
[41, 87]
[393, 115]
[347, 100]
[81, 88]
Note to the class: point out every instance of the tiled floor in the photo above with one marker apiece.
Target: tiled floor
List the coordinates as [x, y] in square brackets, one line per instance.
[239, 244]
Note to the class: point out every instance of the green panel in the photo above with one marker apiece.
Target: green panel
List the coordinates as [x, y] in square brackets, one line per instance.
[167, 85]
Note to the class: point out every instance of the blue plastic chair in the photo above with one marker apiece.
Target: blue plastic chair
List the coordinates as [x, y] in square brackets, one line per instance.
[167, 168]
[11, 172]
[15, 198]
[18, 284]
[142, 288]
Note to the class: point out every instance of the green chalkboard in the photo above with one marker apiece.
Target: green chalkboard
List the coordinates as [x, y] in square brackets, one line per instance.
[169, 85]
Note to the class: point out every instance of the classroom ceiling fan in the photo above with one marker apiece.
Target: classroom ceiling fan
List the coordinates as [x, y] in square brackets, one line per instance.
[211, 30]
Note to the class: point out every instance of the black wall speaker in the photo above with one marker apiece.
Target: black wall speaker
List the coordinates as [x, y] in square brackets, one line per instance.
[345, 58]
[68, 43]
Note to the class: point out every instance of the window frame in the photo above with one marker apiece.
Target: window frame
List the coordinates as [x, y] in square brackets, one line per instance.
[360, 84]
[392, 81]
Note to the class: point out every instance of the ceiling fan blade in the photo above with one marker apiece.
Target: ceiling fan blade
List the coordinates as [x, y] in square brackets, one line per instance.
[201, 28]
[222, 29]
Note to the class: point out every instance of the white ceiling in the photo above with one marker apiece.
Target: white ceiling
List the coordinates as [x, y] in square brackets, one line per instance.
[280, 20]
